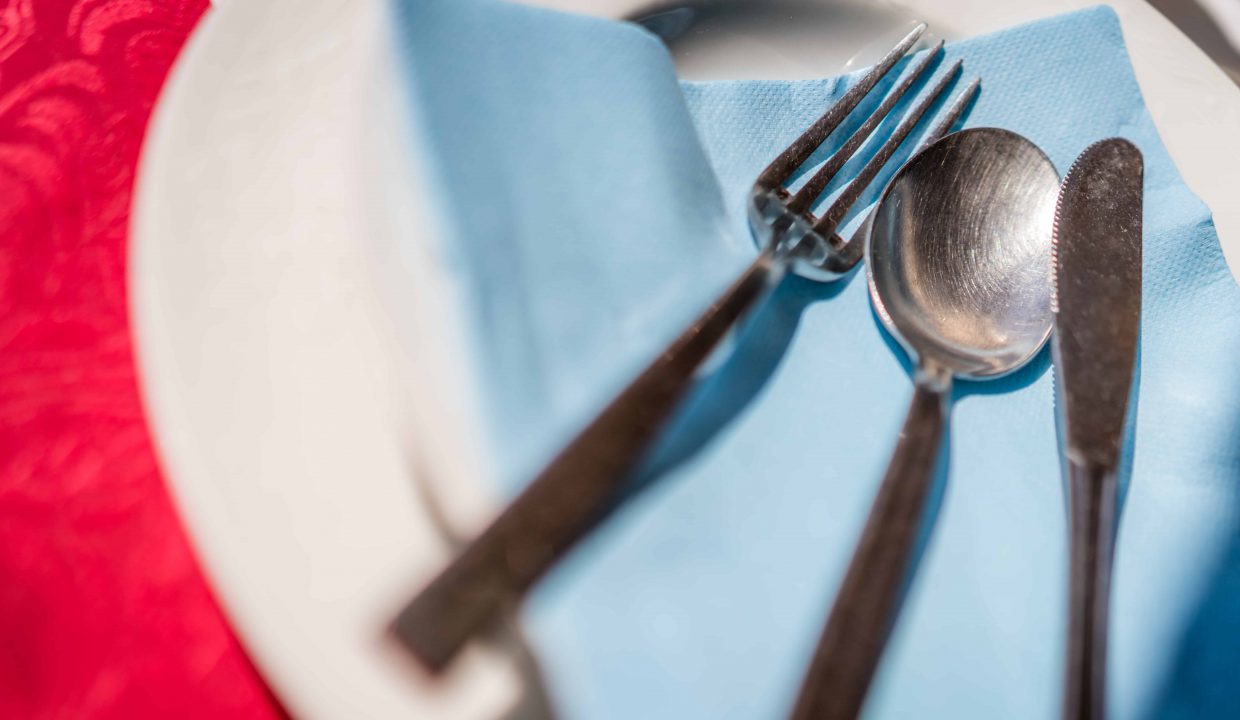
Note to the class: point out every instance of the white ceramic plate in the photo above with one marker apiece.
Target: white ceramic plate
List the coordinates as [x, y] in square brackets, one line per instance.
[319, 457]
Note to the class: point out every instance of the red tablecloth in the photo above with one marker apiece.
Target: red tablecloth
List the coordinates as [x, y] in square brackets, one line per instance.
[103, 610]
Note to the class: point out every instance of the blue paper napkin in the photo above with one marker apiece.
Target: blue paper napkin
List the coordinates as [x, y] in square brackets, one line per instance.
[592, 205]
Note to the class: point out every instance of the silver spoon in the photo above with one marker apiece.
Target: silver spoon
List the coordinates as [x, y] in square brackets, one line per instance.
[959, 263]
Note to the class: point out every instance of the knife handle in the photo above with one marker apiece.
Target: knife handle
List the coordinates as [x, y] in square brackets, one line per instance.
[574, 493]
[1093, 496]
[870, 596]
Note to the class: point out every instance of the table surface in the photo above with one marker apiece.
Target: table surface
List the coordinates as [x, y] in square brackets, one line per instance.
[104, 612]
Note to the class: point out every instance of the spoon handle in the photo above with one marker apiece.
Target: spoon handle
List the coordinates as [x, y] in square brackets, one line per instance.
[1092, 502]
[869, 598]
[575, 492]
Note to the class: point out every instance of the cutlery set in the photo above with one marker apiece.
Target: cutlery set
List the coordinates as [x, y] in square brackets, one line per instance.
[976, 254]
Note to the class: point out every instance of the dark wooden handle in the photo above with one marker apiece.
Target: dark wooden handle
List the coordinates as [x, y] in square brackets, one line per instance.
[1093, 495]
[869, 598]
[573, 494]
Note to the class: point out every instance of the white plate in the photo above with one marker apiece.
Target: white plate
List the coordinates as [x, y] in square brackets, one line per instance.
[302, 436]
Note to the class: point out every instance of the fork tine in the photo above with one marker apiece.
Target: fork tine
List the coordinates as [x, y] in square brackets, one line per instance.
[852, 251]
[949, 118]
[791, 158]
[809, 192]
[835, 214]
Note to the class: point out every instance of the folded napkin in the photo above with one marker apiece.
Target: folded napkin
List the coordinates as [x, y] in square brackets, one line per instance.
[592, 205]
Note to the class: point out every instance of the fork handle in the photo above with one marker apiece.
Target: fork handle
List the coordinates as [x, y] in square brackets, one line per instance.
[575, 492]
[869, 598]
[1093, 497]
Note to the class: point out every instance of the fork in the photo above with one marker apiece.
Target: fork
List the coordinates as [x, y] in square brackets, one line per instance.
[585, 482]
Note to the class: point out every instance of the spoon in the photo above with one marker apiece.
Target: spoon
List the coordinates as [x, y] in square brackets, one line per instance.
[959, 270]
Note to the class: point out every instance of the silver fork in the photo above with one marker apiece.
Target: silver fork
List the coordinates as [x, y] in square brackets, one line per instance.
[581, 485]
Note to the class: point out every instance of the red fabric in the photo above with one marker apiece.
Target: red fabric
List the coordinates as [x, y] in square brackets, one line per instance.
[103, 611]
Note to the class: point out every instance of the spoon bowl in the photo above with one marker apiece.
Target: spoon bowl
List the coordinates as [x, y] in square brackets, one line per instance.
[960, 253]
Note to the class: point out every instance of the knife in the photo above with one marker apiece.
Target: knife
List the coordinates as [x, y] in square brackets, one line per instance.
[1097, 306]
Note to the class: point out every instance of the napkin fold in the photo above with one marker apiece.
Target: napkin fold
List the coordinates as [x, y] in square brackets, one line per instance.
[591, 205]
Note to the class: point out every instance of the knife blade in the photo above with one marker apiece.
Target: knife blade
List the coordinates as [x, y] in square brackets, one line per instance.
[1097, 298]
[1097, 307]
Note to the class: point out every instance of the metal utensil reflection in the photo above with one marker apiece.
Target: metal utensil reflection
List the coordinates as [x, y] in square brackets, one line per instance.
[959, 271]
